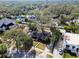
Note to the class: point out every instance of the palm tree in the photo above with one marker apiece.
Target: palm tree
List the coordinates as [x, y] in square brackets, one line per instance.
[55, 37]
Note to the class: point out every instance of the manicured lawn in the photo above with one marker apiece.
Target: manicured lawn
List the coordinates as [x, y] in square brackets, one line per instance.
[35, 43]
[68, 54]
[41, 46]
[49, 56]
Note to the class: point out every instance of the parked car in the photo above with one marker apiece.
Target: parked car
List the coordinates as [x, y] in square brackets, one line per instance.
[61, 51]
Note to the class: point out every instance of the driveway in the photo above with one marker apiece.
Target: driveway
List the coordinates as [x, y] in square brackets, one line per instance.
[44, 53]
[57, 47]
[56, 54]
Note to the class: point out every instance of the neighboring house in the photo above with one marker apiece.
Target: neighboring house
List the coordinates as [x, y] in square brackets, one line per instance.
[71, 42]
[40, 35]
[32, 17]
[20, 18]
[6, 23]
[40, 7]
[54, 22]
[2, 26]
[25, 10]
[76, 21]
[55, 17]
[63, 31]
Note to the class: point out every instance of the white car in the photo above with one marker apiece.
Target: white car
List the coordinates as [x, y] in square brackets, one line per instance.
[61, 51]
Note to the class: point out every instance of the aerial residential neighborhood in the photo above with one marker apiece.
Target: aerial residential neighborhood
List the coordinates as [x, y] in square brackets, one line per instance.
[39, 29]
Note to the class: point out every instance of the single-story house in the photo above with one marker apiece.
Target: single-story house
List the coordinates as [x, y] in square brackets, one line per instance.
[71, 42]
[55, 22]
[40, 36]
[76, 21]
[40, 7]
[31, 17]
[25, 9]
[6, 23]
[55, 16]
[20, 18]
[2, 25]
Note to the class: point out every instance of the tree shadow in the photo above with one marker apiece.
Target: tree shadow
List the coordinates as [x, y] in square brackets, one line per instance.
[23, 54]
[32, 54]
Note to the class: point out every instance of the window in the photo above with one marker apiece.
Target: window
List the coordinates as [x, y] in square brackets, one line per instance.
[73, 47]
[67, 46]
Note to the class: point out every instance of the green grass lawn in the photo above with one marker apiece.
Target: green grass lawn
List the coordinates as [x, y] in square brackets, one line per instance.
[49, 56]
[69, 55]
[35, 43]
[41, 46]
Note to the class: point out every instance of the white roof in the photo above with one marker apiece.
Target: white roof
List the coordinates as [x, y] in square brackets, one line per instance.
[72, 38]
[62, 31]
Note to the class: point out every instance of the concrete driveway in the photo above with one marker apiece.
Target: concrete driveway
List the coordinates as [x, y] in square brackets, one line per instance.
[56, 50]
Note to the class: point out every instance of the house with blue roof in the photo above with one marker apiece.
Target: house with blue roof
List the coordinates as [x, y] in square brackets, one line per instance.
[40, 7]
[55, 21]
[32, 17]
[2, 25]
[6, 24]
[25, 10]
[20, 18]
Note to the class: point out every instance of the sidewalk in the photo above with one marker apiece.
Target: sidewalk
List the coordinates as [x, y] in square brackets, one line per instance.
[56, 54]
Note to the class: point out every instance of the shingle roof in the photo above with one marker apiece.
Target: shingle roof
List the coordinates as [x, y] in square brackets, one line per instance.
[32, 17]
[6, 21]
[1, 23]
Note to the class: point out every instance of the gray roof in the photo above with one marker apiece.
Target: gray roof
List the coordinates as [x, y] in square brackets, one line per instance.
[1, 23]
[6, 21]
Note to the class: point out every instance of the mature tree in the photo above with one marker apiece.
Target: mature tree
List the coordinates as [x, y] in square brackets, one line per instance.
[3, 50]
[32, 26]
[55, 38]
[25, 40]
[20, 38]
[47, 39]
[12, 34]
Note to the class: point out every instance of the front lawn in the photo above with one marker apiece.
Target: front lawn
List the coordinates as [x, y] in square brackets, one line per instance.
[68, 54]
[41, 46]
[49, 56]
[35, 43]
